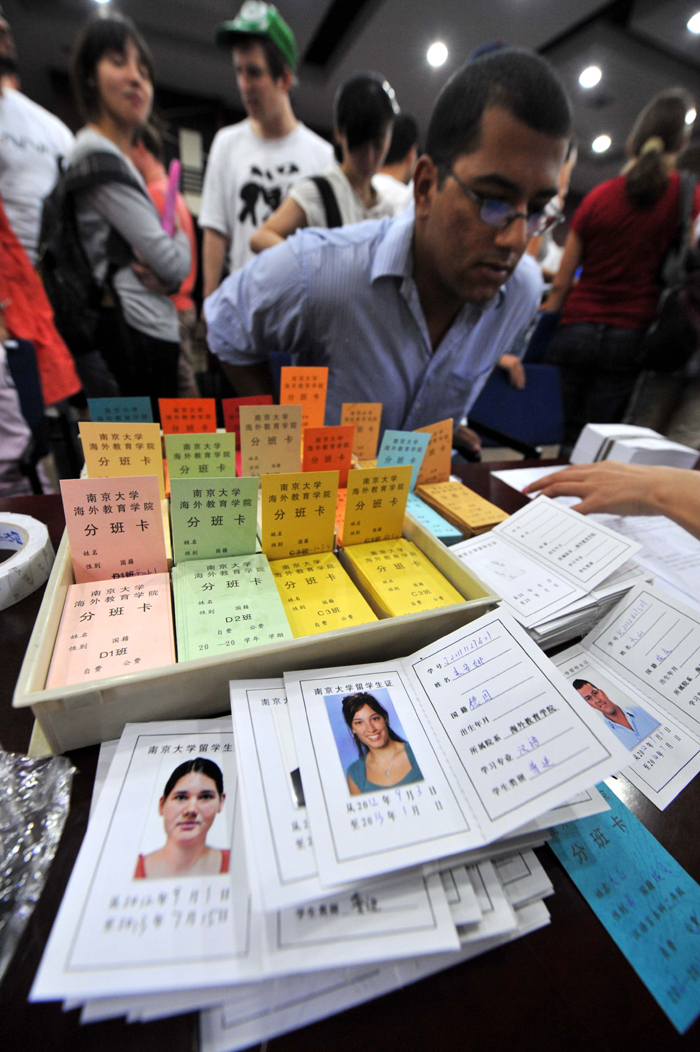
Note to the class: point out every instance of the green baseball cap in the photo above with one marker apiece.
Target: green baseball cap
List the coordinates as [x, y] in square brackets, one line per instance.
[262, 20]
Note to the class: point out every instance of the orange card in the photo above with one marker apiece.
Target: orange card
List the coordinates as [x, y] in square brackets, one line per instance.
[115, 527]
[328, 449]
[438, 456]
[366, 416]
[340, 514]
[187, 416]
[305, 386]
[232, 410]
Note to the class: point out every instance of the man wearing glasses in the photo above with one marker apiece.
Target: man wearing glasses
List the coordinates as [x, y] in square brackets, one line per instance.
[416, 311]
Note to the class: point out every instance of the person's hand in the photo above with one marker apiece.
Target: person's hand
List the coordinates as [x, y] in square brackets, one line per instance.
[514, 367]
[469, 438]
[613, 487]
[150, 280]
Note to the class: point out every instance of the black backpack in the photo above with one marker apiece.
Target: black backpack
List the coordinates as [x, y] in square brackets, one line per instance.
[65, 270]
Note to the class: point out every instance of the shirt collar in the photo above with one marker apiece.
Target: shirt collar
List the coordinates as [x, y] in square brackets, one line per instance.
[394, 256]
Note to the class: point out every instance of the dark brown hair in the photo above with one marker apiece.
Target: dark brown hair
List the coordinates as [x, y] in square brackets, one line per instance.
[200, 765]
[352, 703]
[664, 119]
[96, 38]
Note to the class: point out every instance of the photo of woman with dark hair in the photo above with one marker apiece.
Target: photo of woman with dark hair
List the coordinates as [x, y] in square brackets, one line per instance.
[192, 798]
[385, 759]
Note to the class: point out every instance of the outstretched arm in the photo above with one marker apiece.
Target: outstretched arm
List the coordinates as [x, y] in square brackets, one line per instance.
[573, 251]
[629, 489]
[289, 217]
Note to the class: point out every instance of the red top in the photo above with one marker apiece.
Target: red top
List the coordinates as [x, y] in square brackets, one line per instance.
[158, 189]
[624, 245]
[140, 871]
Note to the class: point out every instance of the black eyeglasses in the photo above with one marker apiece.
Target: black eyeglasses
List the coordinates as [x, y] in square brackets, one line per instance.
[499, 214]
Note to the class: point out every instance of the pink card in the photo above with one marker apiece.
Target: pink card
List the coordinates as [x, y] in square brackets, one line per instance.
[110, 628]
[115, 527]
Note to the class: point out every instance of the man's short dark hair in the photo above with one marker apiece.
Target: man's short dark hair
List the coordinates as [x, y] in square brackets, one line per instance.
[403, 137]
[578, 683]
[151, 139]
[276, 62]
[516, 80]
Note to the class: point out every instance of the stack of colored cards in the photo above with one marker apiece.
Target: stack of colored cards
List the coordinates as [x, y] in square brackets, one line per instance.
[399, 578]
[461, 506]
[110, 628]
[318, 595]
[430, 520]
[226, 605]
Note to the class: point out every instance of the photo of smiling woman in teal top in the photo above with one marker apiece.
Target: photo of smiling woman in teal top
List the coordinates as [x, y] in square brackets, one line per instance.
[385, 758]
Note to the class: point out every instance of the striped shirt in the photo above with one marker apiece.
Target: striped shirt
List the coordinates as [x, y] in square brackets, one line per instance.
[346, 298]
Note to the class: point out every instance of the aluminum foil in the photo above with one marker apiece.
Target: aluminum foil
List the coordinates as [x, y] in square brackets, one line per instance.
[34, 802]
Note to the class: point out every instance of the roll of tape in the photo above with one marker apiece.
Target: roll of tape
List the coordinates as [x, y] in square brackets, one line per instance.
[30, 566]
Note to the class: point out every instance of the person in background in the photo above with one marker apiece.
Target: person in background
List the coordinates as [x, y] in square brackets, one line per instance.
[363, 117]
[628, 489]
[544, 248]
[394, 180]
[138, 340]
[416, 311]
[32, 145]
[253, 164]
[619, 235]
[147, 155]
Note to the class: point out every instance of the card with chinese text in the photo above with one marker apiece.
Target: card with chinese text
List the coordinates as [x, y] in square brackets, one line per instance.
[122, 450]
[646, 902]
[438, 455]
[366, 418]
[270, 439]
[115, 527]
[403, 447]
[318, 595]
[460, 743]
[429, 518]
[663, 756]
[328, 449]
[136, 410]
[461, 506]
[399, 577]
[226, 605]
[150, 879]
[232, 408]
[187, 416]
[112, 628]
[213, 518]
[305, 385]
[200, 456]
[298, 513]
[375, 504]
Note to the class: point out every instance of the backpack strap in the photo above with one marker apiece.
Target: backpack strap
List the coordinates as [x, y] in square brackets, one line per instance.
[330, 201]
[97, 168]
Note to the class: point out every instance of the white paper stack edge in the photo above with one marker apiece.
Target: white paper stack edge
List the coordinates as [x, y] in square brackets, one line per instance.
[595, 440]
[657, 450]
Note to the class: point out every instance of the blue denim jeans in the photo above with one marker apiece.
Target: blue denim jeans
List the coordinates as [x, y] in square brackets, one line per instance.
[598, 366]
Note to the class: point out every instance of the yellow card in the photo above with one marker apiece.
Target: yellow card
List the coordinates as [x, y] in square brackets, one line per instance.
[375, 505]
[298, 513]
[461, 506]
[270, 439]
[438, 456]
[400, 578]
[366, 417]
[116, 450]
[305, 385]
[318, 595]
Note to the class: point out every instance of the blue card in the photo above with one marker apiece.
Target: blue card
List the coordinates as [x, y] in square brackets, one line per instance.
[135, 410]
[427, 517]
[644, 899]
[403, 447]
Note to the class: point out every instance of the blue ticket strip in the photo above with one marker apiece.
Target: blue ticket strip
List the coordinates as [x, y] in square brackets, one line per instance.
[123, 410]
[645, 900]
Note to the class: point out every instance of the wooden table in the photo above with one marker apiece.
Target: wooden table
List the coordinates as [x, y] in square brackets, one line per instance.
[563, 989]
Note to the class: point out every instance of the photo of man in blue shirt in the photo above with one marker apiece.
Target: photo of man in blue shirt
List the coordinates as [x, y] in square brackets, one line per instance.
[630, 725]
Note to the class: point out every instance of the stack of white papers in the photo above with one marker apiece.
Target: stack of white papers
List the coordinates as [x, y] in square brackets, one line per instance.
[273, 869]
[556, 572]
[596, 440]
[657, 450]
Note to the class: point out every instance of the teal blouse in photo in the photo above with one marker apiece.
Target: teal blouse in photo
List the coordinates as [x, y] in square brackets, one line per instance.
[357, 771]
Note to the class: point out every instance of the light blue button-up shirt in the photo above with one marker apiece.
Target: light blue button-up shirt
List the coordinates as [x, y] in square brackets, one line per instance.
[642, 725]
[346, 298]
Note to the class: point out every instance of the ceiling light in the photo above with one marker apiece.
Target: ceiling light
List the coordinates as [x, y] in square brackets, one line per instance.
[101, 1]
[590, 77]
[437, 54]
[691, 115]
[601, 144]
[694, 23]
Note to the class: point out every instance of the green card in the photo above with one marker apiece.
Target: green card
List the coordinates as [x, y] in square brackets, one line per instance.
[201, 456]
[213, 518]
[226, 605]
